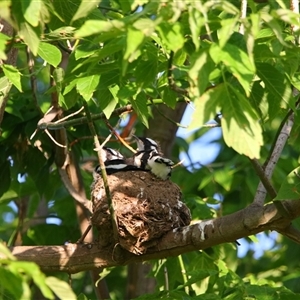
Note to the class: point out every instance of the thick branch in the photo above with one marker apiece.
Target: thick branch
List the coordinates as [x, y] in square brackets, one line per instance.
[74, 258]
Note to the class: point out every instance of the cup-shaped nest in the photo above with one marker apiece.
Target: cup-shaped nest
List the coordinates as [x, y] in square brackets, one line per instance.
[145, 208]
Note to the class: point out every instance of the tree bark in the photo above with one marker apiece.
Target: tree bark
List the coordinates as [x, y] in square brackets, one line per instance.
[73, 258]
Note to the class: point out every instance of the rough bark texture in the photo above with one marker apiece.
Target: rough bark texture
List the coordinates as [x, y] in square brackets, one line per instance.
[74, 258]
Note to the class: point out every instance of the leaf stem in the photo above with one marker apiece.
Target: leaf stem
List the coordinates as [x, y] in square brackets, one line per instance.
[183, 272]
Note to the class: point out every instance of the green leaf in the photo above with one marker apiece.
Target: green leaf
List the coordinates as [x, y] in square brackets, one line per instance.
[237, 61]
[84, 9]
[34, 272]
[30, 36]
[11, 283]
[58, 75]
[240, 125]
[49, 53]
[60, 288]
[134, 41]
[140, 107]
[169, 97]
[111, 105]
[3, 40]
[275, 26]
[5, 86]
[6, 252]
[13, 75]
[84, 50]
[277, 88]
[31, 11]
[87, 85]
[290, 188]
[206, 107]
[91, 27]
[196, 21]
[146, 72]
[172, 35]
[201, 67]
[111, 47]
[227, 29]
[241, 129]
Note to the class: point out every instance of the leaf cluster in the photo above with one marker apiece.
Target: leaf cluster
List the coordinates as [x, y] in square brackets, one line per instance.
[109, 54]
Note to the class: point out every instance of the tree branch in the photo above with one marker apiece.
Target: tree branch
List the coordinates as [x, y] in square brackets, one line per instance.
[82, 120]
[73, 258]
[283, 135]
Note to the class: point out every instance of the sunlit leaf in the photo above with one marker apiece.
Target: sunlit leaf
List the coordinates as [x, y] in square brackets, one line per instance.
[60, 288]
[30, 36]
[237, 61]
[13, 75]
[241, 128]
[3, 40]
[87, 85]
[50, 54]
[134, 41]
[240, 125]
[84, 9]
[31, 11]
[6, 252]
[11, 283]
[201, 66]
[35, 273]
[172, 35]
[91, 27]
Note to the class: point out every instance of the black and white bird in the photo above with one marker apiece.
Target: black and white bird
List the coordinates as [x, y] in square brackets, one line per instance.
[146, 144]
[110, 154]
[149, 158]
[114, 162]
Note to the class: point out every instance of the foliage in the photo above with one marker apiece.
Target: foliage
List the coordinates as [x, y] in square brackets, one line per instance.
[109, 54]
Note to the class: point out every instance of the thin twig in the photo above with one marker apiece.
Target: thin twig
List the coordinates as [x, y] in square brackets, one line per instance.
[294, 6]
[169, 119]
[81, 240]
[69, 116]
[53, 140]
[263, 178]
[103, 171]
[32, 78]
[166, 276]
[243, 16]
[211, 125]
[82, 120]
[123, 142]
[172, 84]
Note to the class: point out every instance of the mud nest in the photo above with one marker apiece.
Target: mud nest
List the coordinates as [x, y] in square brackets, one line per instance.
[145, 208]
